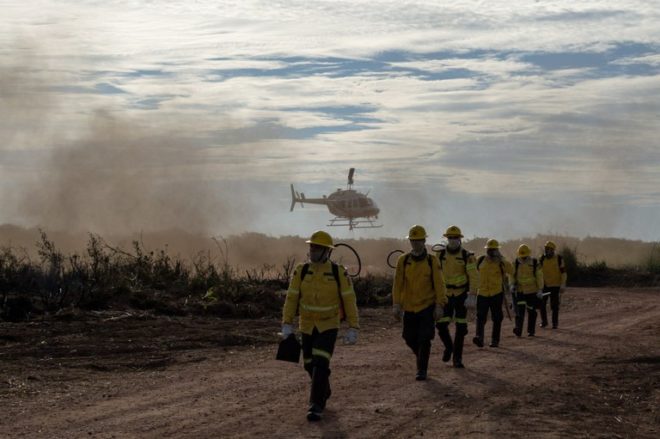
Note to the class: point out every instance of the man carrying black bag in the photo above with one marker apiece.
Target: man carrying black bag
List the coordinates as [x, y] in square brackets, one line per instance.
[321, 292]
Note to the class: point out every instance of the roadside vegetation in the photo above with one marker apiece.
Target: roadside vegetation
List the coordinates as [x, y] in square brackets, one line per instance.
[50, 281]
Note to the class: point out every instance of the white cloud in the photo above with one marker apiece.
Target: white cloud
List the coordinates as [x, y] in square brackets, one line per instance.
[257, 89]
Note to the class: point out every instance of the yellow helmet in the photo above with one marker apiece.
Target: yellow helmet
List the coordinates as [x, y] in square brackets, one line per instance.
[416, 232]
[321, 238]
[492, 244]
[524, 251]
[551, 245]
[453, 232]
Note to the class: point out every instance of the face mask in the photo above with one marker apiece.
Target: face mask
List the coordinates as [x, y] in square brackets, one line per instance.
[493, 252]
[549, 253]
[418, 247]
[524, 260]
[318, 254]
[453, 243]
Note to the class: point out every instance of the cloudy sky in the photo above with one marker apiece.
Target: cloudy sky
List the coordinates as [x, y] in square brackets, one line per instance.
[506, 118]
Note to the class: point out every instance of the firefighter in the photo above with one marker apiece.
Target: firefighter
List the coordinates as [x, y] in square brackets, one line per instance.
[494, 271]
[554, 277]
[419, 291]
[527, 289]
[320, 291]
[459, 269]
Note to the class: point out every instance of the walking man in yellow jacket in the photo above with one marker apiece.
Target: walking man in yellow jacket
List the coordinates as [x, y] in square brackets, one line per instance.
[554, 276]
[527, 288]
[494, 271]
[418, 291]
[320, 291]
[459, 269]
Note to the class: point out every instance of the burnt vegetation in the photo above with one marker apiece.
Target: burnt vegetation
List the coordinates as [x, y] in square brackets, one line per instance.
[52, 282]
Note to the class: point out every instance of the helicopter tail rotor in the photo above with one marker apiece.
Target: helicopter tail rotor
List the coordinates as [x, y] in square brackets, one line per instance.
[293, 198]
[296, 198]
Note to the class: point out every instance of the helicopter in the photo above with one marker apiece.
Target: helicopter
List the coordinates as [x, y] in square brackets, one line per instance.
[351, 208]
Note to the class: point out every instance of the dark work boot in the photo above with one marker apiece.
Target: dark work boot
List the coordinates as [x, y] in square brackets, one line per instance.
[314, 413]
[320, 389]
[478, 341]
[458, 351]
[423, 361]
[495, 337]
[517, 331]
[443, 332]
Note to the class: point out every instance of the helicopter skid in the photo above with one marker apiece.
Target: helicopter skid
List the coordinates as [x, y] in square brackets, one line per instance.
[354, 224]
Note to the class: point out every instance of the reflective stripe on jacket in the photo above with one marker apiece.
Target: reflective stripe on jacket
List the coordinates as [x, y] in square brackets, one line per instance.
[524, 277]
[460, 274]
[317, 298]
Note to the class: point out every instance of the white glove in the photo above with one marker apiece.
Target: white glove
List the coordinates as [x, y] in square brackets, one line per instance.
[438, 312]
[396, 311]
[287, 330]
[351, 336]
[540, 294]
[471, 301]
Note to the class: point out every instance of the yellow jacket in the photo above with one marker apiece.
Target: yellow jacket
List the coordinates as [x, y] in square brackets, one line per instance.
[317, 299]
[554, 271]
[459, 270]
[525, 278]
[492, 275]
[418, 284]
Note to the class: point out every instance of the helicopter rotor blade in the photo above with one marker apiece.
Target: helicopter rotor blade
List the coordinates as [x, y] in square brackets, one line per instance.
[351, 172]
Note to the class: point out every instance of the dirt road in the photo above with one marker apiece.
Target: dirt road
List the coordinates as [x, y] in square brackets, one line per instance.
[598, 375]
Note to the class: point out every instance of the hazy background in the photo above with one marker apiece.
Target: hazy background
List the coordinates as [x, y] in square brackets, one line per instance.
[509, 119]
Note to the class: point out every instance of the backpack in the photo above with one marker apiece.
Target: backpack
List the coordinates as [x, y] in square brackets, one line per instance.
[406, 258]
[464, 253]
[335, 275]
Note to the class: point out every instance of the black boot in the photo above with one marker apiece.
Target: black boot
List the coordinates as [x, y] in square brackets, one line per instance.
[443, 332]
[423, 360]
[495, 337]
[458, 350]
[318, 393]
[314, 413]
[531, 323]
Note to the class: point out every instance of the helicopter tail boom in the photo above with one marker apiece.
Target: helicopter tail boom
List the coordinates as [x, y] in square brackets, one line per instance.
[300, 198]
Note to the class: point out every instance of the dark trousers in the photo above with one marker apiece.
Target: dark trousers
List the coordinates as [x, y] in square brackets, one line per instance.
[418, 331]
[554, 305]
[527, 302]
[317, 350]
[494, 304]
[454, 309]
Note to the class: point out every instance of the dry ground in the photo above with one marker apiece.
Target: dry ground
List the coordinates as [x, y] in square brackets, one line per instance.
[121, 375]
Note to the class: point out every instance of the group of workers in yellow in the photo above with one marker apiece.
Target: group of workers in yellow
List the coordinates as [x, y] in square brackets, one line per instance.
[429, 292]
